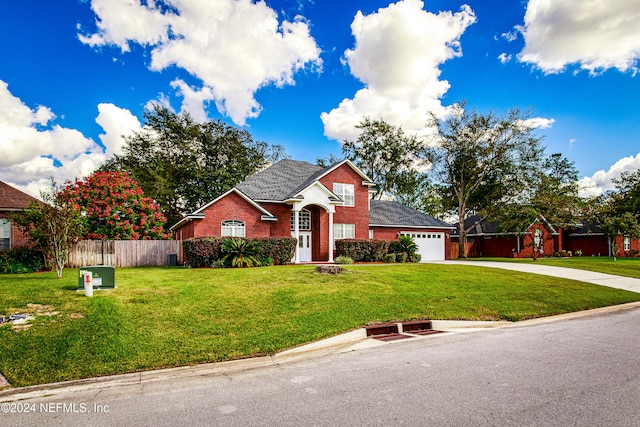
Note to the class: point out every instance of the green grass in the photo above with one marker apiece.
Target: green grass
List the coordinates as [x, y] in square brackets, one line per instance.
[629, 267]
[161, 317]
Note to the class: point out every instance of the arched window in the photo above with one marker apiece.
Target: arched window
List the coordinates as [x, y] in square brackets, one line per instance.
[233, 228]
[304, 220]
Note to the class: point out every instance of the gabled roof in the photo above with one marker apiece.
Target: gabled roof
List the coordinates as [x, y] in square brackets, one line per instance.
[12, 199]
[287, 178]
[386, 213]
[199, 214]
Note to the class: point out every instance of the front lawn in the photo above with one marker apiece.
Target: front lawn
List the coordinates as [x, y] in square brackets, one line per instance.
[161, 317]
[629, 267]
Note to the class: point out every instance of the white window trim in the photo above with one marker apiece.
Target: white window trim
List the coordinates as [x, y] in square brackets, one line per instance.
[235, 227]
[344, 231]
[340, 190]
[627, 244]
[5, 230]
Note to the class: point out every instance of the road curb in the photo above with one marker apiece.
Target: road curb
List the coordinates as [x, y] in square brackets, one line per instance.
[350, 341]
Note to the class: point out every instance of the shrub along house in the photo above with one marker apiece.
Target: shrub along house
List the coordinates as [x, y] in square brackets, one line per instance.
[315, 205]
[12, 200]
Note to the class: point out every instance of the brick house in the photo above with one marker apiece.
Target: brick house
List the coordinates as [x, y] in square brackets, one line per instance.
[315, 205]
[12, 200]
[486, 239]
[592, 242]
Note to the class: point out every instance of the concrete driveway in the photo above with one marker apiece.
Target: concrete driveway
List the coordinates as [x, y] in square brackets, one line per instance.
[609, 280]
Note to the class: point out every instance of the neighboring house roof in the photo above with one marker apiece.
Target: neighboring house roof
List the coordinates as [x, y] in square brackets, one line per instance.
[12, 199]
[481, 227]
[590, 229]
[286, 179]
[386, 213]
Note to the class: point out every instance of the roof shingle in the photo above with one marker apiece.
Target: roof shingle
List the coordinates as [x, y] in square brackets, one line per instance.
[280, 181]
[12, 199]
[388, 213]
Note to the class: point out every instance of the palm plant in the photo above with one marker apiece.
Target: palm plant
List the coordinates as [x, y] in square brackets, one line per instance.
[407, 245]
[240, 252]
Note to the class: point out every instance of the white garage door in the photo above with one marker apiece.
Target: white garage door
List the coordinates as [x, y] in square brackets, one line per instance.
[430, 245]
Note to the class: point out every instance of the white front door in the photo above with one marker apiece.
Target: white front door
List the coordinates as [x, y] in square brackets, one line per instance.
[304, 246]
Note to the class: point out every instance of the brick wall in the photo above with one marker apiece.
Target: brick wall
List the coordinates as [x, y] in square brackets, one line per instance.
[357, 214]
[231, 207]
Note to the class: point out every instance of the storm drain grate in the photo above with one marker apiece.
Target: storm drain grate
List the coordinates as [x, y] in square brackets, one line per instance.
[398, 331]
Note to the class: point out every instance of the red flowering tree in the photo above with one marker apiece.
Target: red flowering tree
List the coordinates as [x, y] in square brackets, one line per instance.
[115, 207]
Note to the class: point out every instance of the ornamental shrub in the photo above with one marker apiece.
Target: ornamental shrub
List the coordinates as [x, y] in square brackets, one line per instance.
[363, 250]
[21, 260]
[206, 251]
[239, 252]
[281, 250]
[344, 260]
[115, 207]
[401, 257]
[201, 251]
[390, 258]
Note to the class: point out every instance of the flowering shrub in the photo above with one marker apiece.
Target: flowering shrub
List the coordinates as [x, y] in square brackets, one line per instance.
[115, 207]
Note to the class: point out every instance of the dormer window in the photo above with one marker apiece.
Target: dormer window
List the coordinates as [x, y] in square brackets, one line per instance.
[345, 192]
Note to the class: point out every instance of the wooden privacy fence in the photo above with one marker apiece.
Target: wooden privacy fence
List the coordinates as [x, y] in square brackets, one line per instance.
[469, 249]
[125, 253]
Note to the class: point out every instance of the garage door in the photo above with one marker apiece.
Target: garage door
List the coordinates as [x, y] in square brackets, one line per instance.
[430, 245]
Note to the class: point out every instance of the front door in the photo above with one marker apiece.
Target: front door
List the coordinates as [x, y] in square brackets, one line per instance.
[304, 246]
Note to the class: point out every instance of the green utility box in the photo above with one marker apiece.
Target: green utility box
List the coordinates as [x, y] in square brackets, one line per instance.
[103, 277]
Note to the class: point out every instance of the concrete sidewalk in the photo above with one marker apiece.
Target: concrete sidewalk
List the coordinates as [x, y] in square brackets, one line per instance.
[602, 279]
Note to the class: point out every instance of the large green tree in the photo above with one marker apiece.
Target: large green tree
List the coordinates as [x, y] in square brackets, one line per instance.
[54, 226]
[394, 160]
[553, 197]
[617, 212]
[183, 164]
[482, 161]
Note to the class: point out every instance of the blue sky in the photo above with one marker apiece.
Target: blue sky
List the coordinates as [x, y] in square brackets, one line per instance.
[76, 75]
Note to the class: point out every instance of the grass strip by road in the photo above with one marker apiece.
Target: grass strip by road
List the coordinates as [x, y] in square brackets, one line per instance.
[628, 267]
[162, 317]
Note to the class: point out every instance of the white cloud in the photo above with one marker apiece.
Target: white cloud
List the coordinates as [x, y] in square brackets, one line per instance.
[504, 58]
[33, 149]
[602, 181]
[596, 35]
[234, 47]
[194, 100]
[511, 35]
[116, 122]
[539, 123]
[397, 54]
